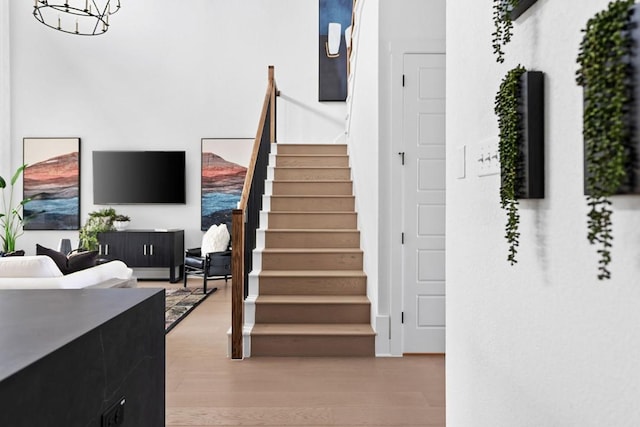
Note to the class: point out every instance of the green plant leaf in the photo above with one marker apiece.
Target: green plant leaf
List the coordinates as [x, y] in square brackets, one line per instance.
[606, 73]
[16, 175]
[503, 26]
[506, 107]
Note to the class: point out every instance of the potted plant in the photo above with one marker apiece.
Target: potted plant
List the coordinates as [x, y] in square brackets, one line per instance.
[607, 75]
[121, 222]
[98, 222]
[11, 216]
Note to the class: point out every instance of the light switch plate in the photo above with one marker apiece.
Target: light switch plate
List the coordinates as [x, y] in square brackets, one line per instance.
[487, 158]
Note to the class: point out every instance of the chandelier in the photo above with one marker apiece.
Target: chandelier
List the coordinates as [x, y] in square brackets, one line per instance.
[82, 17]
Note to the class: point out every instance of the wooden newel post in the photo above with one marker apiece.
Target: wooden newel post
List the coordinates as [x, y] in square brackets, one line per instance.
[237, 282]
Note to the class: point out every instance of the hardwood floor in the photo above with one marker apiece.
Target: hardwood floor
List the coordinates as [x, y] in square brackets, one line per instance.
[205, 388]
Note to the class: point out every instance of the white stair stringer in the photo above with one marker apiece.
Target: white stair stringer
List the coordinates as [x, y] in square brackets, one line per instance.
[249, 322]
[266, 203]
[254, 274]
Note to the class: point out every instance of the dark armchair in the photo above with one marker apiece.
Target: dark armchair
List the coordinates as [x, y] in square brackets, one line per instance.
[209, 266]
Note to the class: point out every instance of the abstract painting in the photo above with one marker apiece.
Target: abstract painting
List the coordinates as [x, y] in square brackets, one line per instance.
[52, 182]
[335, 19]
[224, 166]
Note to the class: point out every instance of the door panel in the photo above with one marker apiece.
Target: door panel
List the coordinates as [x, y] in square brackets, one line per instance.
[137, 249]
[159, 249]
[112, 246]
[424, 210]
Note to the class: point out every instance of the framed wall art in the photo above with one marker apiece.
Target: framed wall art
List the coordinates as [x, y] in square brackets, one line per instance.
[52, 182]
[224, 166]
[334, 33]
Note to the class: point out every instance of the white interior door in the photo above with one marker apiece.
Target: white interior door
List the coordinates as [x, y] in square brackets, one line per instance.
[424, 207]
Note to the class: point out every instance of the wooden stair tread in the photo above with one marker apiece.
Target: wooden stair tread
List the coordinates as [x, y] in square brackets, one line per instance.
[312, 273]
[315, 181]
[312, 155]
[312, 213]
[312, 167]
[310, 196]
[311, 230]
[312, 299]
[315, 329]
[309, 144]
[311, 250]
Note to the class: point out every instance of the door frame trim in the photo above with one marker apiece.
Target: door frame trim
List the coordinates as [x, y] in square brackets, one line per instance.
[397, 51]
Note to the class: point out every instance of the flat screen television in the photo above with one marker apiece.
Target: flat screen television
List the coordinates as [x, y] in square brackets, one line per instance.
[138, 177]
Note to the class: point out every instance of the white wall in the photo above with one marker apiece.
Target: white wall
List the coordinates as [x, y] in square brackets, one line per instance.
[542, 343]
[5, 91]
[406, 26]
[163, 77]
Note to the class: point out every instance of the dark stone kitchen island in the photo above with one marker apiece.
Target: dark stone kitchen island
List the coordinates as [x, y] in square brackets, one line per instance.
[73, 357]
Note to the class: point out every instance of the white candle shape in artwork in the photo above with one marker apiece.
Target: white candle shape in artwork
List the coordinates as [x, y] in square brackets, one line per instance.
[335, 31]
[347, 36]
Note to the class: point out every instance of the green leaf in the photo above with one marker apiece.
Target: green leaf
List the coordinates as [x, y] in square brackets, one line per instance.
[14, 179]
[604, 71]
[506, 107]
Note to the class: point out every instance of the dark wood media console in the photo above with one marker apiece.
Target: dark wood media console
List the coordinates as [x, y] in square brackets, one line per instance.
[146, 248]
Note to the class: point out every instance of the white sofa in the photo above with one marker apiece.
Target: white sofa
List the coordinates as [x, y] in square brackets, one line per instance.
[41, 272]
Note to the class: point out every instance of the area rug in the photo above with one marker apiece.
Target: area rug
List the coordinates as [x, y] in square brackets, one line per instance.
[179, 302]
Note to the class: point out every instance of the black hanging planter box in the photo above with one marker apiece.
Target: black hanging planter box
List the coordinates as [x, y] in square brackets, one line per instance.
[521, 8]
[531, 169]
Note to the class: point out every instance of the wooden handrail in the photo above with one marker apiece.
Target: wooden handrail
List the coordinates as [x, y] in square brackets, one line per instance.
[269, 100]
[239, 219]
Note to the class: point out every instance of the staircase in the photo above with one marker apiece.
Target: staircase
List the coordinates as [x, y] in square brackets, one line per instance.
[308, 289]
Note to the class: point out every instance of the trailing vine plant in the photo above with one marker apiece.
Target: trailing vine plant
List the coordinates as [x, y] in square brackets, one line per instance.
[503, 26]
[507, 108]
[606, 74]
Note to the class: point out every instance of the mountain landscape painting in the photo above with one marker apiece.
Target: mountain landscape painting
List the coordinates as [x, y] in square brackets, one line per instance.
[224, 166]
[52, 182]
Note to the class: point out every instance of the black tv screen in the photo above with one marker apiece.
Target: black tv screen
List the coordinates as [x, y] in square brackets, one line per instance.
[136, 177]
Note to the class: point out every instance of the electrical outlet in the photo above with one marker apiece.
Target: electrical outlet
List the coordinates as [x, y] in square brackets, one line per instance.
[114, 416]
